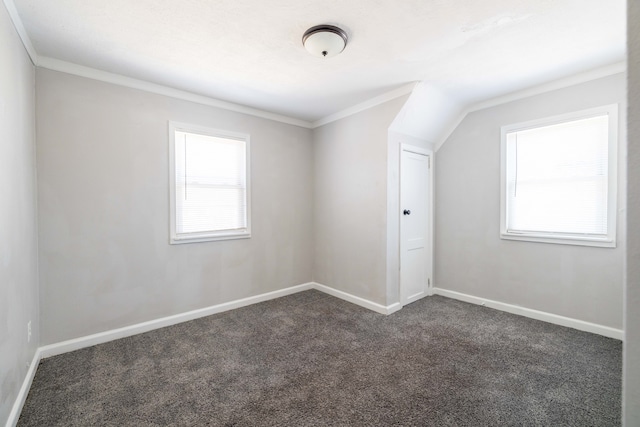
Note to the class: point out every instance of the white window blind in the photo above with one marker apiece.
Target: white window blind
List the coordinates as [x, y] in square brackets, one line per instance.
[557, 180]
[210, 186]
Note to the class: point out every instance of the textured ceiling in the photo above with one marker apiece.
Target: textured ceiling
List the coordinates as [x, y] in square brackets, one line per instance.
[250, 52]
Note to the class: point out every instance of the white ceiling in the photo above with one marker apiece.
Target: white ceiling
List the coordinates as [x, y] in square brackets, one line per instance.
[250, 52]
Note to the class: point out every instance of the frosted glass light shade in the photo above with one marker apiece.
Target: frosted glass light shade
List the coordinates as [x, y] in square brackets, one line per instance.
[324, 41]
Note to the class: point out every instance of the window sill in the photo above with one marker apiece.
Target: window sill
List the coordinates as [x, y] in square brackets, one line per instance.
[560, 240]
[199, 238]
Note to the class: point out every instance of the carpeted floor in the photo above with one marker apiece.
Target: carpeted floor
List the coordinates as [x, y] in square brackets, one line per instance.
[313, 360]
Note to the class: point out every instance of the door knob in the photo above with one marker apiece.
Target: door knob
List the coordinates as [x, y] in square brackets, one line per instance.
[407, 212]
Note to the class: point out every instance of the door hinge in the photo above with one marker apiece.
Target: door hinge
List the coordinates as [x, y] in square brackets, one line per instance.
[429, 281]
[429, 162]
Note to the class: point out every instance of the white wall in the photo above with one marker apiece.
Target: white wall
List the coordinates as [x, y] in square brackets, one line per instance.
[18, 232]
[105, 260]
[631, 388]
[583, 283]
[350, 162]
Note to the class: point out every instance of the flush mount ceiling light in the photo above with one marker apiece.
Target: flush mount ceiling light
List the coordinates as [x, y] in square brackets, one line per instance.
[324, 40]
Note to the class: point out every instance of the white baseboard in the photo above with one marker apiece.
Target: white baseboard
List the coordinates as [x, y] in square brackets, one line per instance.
[379, 308]
[534, 314]
[103, 337]
[114, 334]
[14, 415]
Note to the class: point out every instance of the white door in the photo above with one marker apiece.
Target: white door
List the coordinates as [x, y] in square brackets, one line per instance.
[415, 204]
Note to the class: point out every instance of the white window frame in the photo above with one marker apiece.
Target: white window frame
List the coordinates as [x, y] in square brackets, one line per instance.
[179, 238]
[609, 240]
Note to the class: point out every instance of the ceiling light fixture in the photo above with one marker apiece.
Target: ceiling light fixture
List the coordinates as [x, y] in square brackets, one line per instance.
[324, 41]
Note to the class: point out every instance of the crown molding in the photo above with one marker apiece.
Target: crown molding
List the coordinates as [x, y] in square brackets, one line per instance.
[118, 79]
[95, 74]
[22, 33]
[375, 101]
[587, 76]
[594, 74]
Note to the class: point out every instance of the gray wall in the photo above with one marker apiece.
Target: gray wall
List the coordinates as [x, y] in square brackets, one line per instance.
[105, 260]
[350, 161]
[584, 283]
[18, 232]
[631, 394]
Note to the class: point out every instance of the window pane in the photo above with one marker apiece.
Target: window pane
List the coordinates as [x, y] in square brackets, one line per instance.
[557, 178]
[210, 183]
[212, 209]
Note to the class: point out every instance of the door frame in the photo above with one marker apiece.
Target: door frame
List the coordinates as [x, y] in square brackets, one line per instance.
[430, 211]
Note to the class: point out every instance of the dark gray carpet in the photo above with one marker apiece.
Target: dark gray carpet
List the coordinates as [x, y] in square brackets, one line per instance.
[313, 360]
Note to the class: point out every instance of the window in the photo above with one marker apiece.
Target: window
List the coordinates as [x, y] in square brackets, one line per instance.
[209, 185]
[559, 179]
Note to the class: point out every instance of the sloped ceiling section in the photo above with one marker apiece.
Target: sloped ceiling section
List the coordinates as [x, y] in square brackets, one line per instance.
[429, 114]
[249, 52]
